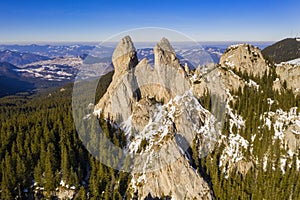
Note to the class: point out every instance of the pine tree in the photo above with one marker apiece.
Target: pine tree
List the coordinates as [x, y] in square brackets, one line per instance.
[50, 169]
[81, 195]
[65, 164]
[38, 174]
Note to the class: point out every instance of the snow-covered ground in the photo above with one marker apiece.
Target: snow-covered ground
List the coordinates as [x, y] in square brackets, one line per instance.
[49, 72]
[281, 121]
[70, 61]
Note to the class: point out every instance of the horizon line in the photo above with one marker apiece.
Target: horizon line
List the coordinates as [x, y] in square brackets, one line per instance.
[99, 42]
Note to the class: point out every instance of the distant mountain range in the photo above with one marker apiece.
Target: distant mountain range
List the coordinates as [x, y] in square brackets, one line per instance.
[53, 65]
[11, 82]
[284, 50]
[20, 58]
[51, 50]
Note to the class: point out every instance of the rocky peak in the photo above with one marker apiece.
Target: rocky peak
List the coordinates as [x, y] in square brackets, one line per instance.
[124, 56]
[244, 58]
[141, 103]
[164, 54]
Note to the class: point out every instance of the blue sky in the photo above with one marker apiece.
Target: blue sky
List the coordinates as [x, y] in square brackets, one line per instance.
[71, 20]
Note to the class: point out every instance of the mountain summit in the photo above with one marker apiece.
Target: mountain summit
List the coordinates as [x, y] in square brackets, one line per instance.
[124, 57]
[244, 58]
[164, 54]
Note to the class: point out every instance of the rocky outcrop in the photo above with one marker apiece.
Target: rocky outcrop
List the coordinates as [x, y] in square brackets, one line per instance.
[157, 110]
[244, 58]
[133, 81]
[177, 180]
[292, 137]
[115, 99]
[290, 74]
[162, 168]
[64, 193]
[217, 81]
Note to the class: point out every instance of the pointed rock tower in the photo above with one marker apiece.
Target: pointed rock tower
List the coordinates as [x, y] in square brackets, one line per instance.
[164, 54]
[124, 57]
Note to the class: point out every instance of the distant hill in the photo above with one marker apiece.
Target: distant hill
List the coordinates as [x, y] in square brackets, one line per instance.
[284, 50]
[9, 70]
[11, 82]
[19, 59]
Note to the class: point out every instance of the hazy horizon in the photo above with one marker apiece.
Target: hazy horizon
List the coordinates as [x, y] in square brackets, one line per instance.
[115, 42]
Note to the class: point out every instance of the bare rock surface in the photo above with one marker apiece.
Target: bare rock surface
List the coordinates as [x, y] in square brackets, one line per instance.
[244, 58]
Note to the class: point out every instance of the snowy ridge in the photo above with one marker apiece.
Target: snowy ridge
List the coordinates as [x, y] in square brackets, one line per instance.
[161, 124]
[49, 72]
[234, 46]
[160, 129]
[70, 61]
[232, 153]
[235, 119]
[235, 144]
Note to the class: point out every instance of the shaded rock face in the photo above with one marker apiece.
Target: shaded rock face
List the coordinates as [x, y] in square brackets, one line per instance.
[157, 105]
[244, 58]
